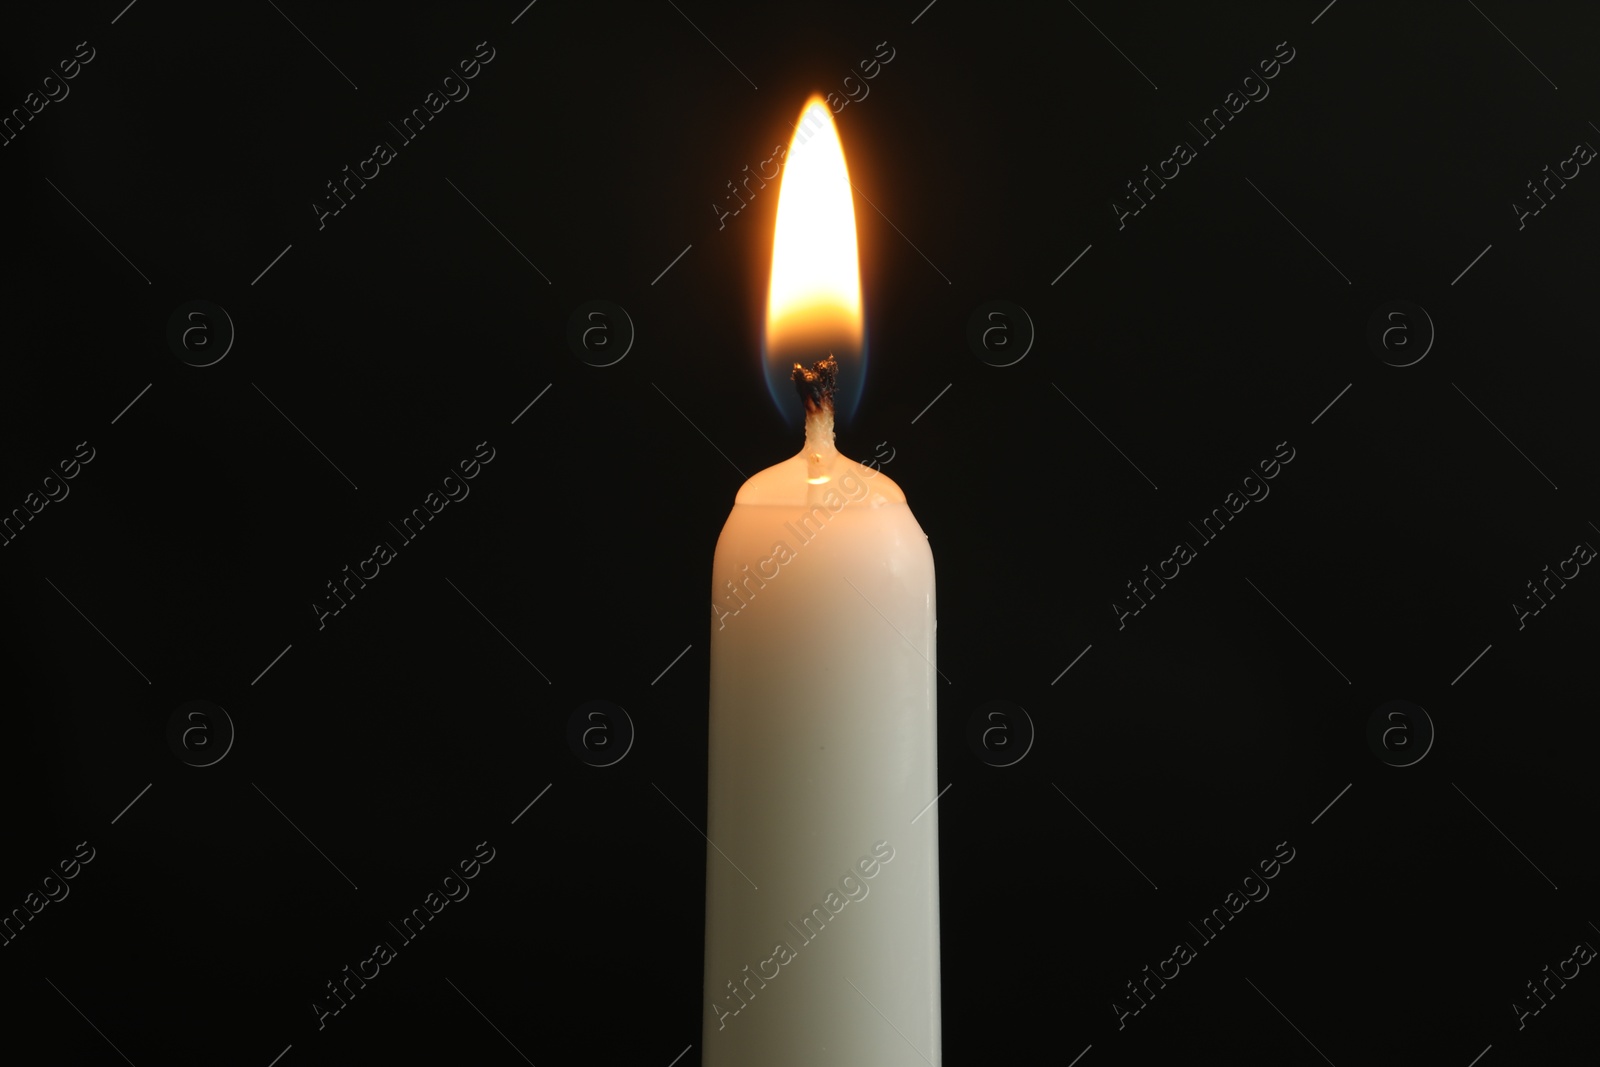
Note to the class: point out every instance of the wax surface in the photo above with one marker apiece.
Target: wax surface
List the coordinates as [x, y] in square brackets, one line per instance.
[822, 749]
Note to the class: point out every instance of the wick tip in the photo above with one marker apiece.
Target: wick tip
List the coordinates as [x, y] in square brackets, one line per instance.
[816, 384]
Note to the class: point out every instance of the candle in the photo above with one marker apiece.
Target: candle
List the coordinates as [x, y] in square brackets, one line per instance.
[822, 898]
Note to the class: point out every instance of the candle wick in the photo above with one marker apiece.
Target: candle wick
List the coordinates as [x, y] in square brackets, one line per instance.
[816, 386]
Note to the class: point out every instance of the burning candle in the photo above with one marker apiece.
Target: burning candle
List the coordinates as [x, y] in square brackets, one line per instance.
[822, 892]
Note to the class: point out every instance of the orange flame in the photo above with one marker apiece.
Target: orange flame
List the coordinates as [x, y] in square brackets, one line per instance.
[814, 294]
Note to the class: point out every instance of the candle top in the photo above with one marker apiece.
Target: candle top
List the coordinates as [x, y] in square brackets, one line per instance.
[792, 484]
[819, 470]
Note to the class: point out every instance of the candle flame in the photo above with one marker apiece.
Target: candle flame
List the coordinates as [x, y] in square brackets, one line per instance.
[814, 292]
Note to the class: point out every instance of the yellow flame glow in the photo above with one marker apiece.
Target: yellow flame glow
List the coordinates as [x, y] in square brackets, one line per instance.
[814, 295]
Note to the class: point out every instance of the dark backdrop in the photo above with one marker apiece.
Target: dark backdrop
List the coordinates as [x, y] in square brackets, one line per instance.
[1172, 750]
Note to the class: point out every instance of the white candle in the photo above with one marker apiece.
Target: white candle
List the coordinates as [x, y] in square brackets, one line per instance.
[822, 898]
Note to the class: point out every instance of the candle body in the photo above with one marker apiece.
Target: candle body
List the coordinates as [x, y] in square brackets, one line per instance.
[822, 898]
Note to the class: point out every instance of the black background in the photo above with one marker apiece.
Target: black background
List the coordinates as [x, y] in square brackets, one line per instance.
[406, 330]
